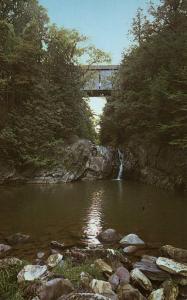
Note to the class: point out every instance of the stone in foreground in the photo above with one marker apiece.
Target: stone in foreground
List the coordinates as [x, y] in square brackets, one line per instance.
[18, 238]
[157, 295]
[132, 239]
[171, 290]
[141, 280]
[4, 248]
[55, 288]
[54, 259]
[127, 292]
[177, 254]
[171, 266]
[123, 274]
[103, 288]
[130, 249]
[31, 272]
[148, 266]
[84, 296]
[109, 236]
[103, 266]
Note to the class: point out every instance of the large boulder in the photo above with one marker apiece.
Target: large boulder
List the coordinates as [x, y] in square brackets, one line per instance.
[171, 266]
[109, 236]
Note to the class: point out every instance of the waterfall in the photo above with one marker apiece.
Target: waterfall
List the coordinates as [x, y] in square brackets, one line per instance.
[121, 159]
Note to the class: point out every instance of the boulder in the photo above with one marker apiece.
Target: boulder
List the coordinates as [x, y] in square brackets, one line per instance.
[157, 295]
[171, 290]
[54, 259]
[127, 292]
[132, 239]
[171, 266]
[31, 273]
[84, 296]
[123, 275]
[114, 281]
[10, 262]
[109, 236]
[4, 248]
[177, 254]
[55, 288]
[141, 280]
[101, 265]
[148, 266]
[103, 288]
[17, 238]
[130, 249]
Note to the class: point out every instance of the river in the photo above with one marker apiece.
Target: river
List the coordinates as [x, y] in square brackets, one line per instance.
[77, 212]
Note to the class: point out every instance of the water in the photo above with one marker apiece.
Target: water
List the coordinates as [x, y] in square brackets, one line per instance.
[121, 159]
[76, 212]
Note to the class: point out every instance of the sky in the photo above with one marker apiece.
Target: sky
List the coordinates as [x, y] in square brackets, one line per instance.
[105, 22]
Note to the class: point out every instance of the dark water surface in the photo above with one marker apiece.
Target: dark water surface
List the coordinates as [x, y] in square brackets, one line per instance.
[78, 211]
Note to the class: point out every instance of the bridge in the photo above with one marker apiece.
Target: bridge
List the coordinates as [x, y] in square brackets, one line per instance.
[100, 82]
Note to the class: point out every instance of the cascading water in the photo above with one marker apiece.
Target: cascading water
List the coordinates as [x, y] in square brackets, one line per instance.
[121, 159]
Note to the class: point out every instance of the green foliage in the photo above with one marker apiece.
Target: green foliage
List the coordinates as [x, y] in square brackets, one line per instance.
[150, 101]
[41, 84]
[9, 289]
[72, 271]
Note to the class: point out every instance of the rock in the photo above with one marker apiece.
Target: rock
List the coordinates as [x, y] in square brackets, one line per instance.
[127, 292]
[148, 266]
[174, 253]
[54, 259]
[132, 239]
[85, 279]
[180, 280]
[157, 295]
[4, 248]
[114, 281]
[31, 272]
[103, 266]
[57, 245]
[141, 280]
[171, 290]
[55, 288]
[183, 291]
[171, 266]
[102, 287]
[130, 249]
[123, 274]
[84, 296]
[109, 236]
[40, 255]
[17, 238]
[10, 262]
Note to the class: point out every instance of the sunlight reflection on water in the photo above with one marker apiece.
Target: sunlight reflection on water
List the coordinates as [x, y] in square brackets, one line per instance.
[93, 220]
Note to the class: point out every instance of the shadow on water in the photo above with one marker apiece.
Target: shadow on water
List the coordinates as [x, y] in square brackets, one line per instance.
[71, 212]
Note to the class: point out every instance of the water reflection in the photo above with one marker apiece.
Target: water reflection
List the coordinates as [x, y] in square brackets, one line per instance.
[94, 217]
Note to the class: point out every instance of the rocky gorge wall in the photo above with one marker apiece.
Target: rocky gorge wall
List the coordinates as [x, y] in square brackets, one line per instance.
[81, 160]
[165, 167]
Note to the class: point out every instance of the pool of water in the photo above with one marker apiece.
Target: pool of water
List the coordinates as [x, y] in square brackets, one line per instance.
[76, 212]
